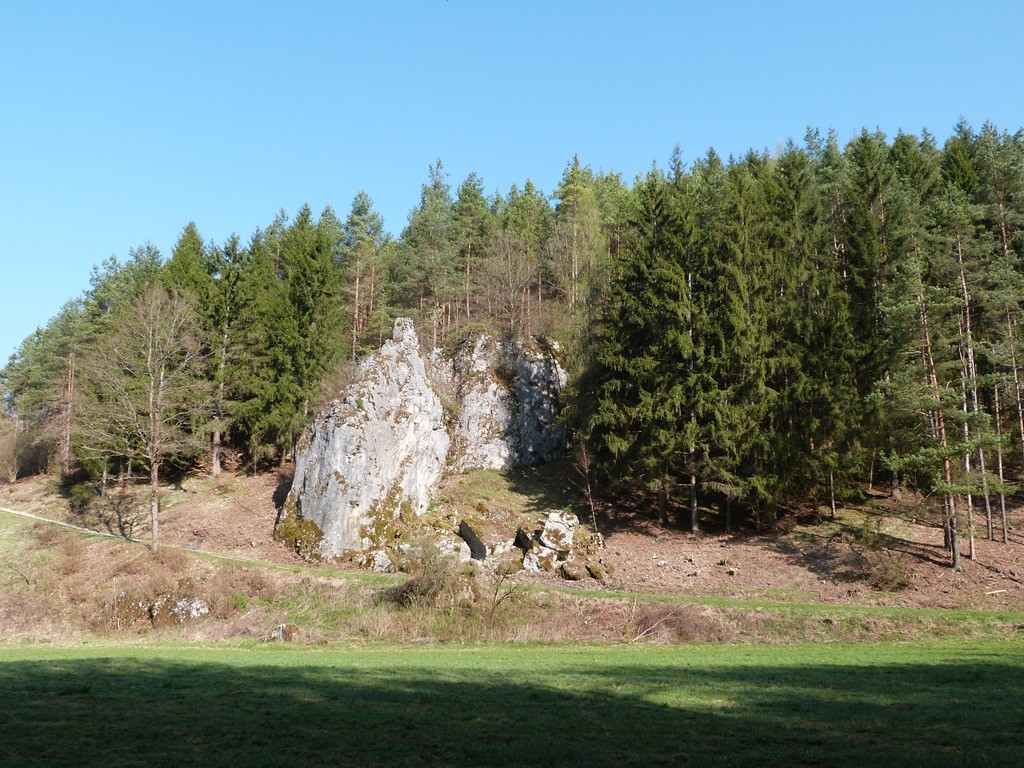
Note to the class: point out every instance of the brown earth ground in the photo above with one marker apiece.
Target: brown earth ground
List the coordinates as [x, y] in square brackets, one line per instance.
[877, 553]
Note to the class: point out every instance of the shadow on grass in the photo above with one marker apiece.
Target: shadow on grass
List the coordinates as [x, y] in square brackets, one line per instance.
[325, 710]
[547, 487]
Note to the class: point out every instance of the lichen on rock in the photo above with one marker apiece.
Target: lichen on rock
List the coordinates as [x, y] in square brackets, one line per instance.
[508, 402]
[378, 450]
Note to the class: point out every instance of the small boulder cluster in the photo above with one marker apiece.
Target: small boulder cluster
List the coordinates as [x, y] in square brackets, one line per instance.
[555, 547]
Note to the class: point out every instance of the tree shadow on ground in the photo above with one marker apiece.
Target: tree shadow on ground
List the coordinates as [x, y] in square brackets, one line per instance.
[285, 476]
[547, 487]
[314, 711]
[844, 556]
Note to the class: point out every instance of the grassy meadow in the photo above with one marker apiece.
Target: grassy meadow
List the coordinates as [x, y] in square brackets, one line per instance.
[927, 704]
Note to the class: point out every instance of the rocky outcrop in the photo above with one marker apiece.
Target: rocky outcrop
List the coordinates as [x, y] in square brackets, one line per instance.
[481, 438]
[373, 455]
[376, 454]
[508, 401]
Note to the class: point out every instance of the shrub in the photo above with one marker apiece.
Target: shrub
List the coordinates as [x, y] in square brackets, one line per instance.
[679, 623]
[435, 580]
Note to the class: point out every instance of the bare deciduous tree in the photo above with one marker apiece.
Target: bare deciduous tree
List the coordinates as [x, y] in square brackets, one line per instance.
[143, 387]
[8, 451]
[511, 275]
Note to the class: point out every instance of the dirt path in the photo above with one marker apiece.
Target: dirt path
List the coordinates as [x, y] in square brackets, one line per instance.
[105, 534]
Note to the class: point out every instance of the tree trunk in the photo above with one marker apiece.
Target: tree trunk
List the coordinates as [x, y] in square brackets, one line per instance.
[967, 468]
[663, 502]
[154, 505]
[971, 388]
[999, 463]
[355, 309]
[940, 420]
[694, 524]
[1016, 379]
[832, 493]
[67, 408]
[469, 256]
[215, 449]
[373, 278]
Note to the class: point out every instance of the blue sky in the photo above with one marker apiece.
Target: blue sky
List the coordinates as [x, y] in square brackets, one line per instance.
[121, 122]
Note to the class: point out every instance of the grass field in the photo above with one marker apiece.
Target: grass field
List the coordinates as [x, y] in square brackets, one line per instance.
[927, 704]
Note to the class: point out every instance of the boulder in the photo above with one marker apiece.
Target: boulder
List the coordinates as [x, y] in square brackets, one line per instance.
[558, 532]
[550, 546]
[168, 610]
[373, 455]
[572, 571]
[477, 548]
[283, 632]
[540, 558]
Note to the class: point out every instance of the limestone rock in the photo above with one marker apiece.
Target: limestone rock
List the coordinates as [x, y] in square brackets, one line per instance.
[486, 407]
[375, 454]
[508, 403]
[572, 571]
[551, 544]
[283, 632]
[168, 610]
[476, 547]
[538, 385]
[559, 531]
[540, 558]
[380, 561]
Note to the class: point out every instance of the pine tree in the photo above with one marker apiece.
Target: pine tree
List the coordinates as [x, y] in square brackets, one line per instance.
[578, 247]
[186, 271]
[427, 275]
[641, 419]
[472, 225]
[363, 237]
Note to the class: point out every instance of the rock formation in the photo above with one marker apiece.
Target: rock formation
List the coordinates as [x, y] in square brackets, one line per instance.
[374, 454]
[377, 453]
[508, 399]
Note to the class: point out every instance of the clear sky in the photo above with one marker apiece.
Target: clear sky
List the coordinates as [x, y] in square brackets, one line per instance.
[122, 121]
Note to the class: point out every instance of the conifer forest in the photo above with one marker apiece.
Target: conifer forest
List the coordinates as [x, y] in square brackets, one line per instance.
[747, 337]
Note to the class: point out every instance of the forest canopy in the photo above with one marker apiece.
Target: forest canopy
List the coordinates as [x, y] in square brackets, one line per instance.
[755, 335]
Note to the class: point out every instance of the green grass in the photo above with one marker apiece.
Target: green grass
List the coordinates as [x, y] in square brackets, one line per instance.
[928, 704]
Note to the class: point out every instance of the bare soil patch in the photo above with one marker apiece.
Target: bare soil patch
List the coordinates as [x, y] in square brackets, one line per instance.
[879, 553]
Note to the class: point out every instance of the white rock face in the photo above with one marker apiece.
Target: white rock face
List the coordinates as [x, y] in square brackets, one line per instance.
[380, 450]
[559, 531]
[538, 385]
[482, 437]
[375, 454]
[508, 400]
